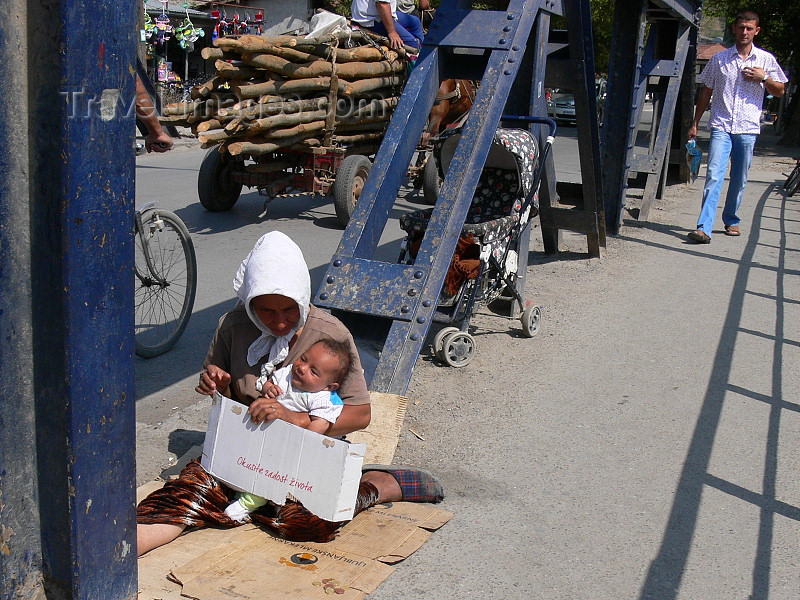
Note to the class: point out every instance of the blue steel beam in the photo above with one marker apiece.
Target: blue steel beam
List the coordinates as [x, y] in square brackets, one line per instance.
[359, 241]
[70, 231]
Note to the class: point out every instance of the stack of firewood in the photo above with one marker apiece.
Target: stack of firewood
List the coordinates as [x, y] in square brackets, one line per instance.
[280, 92]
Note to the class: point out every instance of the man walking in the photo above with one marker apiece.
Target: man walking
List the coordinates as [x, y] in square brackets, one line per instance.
[737, 77]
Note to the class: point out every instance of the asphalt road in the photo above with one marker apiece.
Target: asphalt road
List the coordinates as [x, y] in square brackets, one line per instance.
[643, 445]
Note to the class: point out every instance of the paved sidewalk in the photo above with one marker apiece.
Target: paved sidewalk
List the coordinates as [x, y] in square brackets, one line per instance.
[645, 444]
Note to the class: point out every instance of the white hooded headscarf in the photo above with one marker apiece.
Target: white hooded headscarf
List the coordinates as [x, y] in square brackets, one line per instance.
[275, 265]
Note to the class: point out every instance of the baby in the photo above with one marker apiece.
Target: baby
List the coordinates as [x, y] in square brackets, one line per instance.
[308, 385]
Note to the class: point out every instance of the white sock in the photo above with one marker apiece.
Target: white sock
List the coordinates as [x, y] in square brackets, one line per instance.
[237, 511]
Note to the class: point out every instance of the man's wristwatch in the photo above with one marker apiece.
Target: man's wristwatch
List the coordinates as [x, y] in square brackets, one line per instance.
[765, 79]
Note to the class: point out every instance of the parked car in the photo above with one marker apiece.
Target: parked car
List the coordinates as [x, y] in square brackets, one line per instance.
[561, 106]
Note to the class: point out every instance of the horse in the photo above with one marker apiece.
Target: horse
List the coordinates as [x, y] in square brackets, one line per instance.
[453, 101]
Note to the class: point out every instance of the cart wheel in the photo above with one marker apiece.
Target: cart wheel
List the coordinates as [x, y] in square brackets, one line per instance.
[531, 317]
[348, 185]
[458, 349]
[214, 185]
[438, 340]
[431, 182]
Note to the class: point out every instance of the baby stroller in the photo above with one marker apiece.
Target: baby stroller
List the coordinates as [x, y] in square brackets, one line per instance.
[484, 266]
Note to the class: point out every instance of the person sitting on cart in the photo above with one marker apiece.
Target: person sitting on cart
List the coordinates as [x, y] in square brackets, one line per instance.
[382, 17]
[157, 139]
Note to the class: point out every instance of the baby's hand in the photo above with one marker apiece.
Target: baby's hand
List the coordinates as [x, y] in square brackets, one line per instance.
[271, 390]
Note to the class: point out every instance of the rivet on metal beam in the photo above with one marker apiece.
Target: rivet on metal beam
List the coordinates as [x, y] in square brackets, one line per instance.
[418, 274]
[337, 263]
[330, 279]
[502, 41]
[405, 308]
[323, 296]
[426, 303]
[421, 320]
[414, 337]
[412, 292]
[511, 16]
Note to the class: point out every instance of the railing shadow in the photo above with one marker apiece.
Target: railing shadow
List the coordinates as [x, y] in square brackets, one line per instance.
[666, 571]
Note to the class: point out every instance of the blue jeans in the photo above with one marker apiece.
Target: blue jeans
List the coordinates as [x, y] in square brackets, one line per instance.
[739, 148]
[408, 27]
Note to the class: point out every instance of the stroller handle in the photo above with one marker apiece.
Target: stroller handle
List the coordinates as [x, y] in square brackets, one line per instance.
[551, 124]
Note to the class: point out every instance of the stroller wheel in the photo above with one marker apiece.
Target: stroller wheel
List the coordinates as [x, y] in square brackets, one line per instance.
[458, 349]
[438, 341]
[531, 317]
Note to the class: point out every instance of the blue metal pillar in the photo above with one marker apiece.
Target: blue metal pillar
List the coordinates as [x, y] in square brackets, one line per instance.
[67, 421]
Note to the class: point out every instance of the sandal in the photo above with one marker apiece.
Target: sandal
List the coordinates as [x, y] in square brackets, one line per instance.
[732, 230]
[699, 236]
[417, 485]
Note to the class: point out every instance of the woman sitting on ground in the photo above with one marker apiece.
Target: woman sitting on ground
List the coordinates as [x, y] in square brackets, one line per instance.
[272, 324]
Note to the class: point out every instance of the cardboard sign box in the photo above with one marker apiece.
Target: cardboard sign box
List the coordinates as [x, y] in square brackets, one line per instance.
[277, 458]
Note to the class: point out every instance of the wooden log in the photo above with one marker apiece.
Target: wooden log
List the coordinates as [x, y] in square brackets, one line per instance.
[323, 52]
[259, 111]
[297, 130]
[286, 120]
[254, 90]
[359, 138]
[234, 125]
[256, 43]
[304, 144]
[314, 69]
[226, 70]
[205, 89]
[365, 86]
[214, 136]
[370, 109]
[218, 123]
[236, 148]
[218, 53]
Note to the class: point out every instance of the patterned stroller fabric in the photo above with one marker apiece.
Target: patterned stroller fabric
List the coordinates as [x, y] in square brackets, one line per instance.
[505, 182]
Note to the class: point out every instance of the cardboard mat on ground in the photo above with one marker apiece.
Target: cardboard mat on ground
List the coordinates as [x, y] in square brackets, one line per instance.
[248, 562]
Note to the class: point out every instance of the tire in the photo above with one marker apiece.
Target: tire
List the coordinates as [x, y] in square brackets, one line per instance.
[458, 349]
[531, 318]
[216, 189]
[793, 181]
[162, 309]
[350, 179]
[431, 182]
[438, 341]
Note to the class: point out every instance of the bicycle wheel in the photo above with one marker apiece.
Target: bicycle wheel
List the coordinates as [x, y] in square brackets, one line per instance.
[792, 183]
[165, 289]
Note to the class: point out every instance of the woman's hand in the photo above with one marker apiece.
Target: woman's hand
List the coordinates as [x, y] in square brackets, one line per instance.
[213, 379]
[269, 409]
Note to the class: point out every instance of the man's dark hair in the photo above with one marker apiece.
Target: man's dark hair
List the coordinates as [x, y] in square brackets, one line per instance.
[341, 351]
[746, 15]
